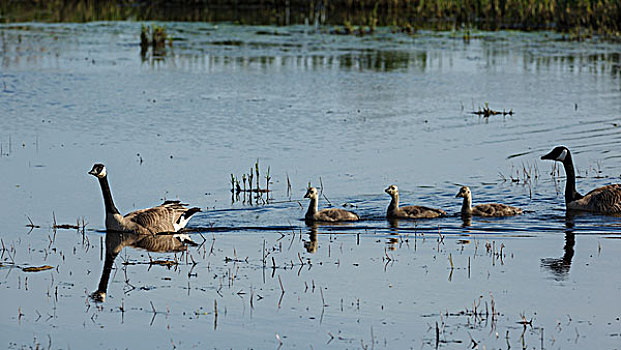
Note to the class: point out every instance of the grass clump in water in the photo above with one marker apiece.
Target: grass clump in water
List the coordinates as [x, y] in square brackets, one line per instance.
[156, 37]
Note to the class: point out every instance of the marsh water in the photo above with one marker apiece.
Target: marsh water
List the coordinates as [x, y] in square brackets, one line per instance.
[349, 114]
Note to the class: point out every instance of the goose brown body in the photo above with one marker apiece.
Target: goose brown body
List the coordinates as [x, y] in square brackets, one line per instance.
[326, 215]
[605, 200]
[170, 216]
[602, 200]
[394, 211]
[488, 209]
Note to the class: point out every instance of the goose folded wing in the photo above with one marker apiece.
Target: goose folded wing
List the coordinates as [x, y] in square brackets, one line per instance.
[157, 219]
[606, 199]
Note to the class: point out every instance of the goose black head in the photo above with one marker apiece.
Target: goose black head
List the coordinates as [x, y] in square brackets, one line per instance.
[99, 171]
[392, 190]
[558, 154]
[311, 193]
[464, 192]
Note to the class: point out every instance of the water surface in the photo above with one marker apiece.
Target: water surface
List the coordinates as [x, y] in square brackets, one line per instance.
[354, 114]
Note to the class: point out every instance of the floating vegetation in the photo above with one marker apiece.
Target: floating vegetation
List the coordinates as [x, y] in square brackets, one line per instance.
[486, 112]
[37, 268]
[163, 262]
[155, 37]
[349, 29]
[245, 187]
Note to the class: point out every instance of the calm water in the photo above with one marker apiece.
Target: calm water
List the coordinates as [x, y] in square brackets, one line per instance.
[352, 113]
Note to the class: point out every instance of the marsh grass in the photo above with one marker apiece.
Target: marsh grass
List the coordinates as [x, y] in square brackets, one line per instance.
[580, 19]
[244, 191]
[486, 112]
[154, 37]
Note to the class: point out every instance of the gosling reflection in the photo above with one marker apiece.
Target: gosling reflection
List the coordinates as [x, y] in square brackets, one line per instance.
[311, 244]
[392, 241]
[116, 241]
[560, 266]
[466, 220]
[393, 224]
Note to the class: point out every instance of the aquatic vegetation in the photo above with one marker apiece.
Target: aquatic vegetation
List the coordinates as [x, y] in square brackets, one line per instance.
[155, 37]
[37, 268]
[246, 188]
[486, 112]
[580, 19]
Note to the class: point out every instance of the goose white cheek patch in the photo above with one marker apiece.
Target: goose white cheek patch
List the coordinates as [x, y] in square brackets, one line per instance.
[562, 156]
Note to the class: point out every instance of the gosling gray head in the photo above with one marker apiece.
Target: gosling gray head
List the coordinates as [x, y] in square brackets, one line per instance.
[392, 190]
[99, 171]
[464, 192]
[311, 193]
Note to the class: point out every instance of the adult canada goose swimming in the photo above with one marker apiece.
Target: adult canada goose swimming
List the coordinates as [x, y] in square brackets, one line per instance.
[170, 216]
[490, 209]
[411, 211]
[327, 215]
[603, 200]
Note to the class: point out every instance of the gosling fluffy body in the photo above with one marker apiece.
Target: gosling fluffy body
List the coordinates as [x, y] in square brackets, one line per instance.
[325, 215]
[489, 209]
[411, 211]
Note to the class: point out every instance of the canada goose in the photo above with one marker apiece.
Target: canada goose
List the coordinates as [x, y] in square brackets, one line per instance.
[490, 209]
[170, 216]
[116, 241]
[328, 215]
[604, 200]
[411, 211]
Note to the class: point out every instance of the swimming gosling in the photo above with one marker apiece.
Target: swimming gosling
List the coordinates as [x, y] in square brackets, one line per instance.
[326, 215]
[410, 211]
[170, 216]
[603, 200]
[490, 209]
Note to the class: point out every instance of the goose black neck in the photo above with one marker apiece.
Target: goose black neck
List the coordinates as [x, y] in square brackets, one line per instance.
[105, 190]
[570, 185]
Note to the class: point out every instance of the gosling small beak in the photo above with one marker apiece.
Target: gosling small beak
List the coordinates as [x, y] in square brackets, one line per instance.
[458, 194]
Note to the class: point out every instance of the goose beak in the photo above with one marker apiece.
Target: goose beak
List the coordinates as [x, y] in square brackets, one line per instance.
[92, 172]
[306, 195]
[548, 156]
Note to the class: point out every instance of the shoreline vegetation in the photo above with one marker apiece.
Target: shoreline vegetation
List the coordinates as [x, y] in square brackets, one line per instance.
[582, 18]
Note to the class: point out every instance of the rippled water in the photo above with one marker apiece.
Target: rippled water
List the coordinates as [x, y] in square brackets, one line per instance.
[353, 114]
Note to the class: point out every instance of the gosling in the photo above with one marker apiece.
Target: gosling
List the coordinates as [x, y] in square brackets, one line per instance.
[490, 209]
[410, 211]
[326, 215]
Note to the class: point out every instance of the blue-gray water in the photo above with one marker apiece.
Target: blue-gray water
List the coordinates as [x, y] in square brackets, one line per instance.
[354, 114]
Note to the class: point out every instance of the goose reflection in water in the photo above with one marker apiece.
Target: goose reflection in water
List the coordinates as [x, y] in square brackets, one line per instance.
[158, 243]
[560, 266]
